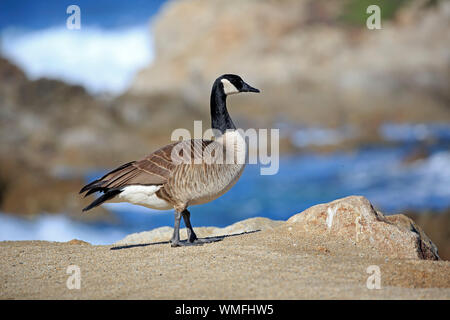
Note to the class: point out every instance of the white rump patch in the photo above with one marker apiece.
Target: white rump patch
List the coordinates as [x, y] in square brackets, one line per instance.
[228, 87]
[144, 196]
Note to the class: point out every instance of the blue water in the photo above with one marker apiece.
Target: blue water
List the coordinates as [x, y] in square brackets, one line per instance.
[304, 180]
[113, 44]
[31, 14]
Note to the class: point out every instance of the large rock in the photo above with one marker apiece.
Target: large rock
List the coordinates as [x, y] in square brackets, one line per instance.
[312, 68]
[354, 219]
[48, 124]
[350, 222]
[48, 130]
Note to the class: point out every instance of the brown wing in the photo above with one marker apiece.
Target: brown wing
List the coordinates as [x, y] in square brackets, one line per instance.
[154, 169]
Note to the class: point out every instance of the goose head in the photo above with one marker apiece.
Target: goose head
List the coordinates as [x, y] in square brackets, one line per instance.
[224, 86]
[232, 84]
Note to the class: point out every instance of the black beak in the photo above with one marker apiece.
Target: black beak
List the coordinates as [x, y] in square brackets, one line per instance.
[247, 88]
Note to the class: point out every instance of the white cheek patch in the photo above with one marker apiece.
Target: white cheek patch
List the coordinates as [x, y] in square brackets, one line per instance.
[228, 87]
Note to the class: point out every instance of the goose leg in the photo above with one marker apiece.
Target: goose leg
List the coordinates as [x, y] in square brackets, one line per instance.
[187, 221]
[175, 241]
[176, 230]
[192, 237]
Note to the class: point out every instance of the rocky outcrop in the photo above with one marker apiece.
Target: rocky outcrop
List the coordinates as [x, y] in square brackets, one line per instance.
[28, 190]
[313, 68]
[49, 133]
[354, 219]
[261, 265]
[50, 123]
[350, 222]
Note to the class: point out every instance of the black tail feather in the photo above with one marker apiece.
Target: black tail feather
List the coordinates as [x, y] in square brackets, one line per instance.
[95, 189]
[109, 194]
[93, 184]
[100, 182]
[101, 185]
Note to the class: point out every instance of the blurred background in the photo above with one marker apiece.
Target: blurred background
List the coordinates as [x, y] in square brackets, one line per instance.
[360, 112]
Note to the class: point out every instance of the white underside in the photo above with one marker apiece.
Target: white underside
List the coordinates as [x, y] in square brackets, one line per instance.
[144, 196]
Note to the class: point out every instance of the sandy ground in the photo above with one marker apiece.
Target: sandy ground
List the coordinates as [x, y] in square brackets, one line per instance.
[269, 264]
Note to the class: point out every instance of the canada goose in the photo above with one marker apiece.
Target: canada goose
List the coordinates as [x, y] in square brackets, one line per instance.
[161, 181]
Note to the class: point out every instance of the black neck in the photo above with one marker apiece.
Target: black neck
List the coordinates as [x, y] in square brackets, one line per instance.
[220, 119]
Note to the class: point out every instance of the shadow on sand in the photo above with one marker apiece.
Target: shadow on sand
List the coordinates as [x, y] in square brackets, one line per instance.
[218, 238]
